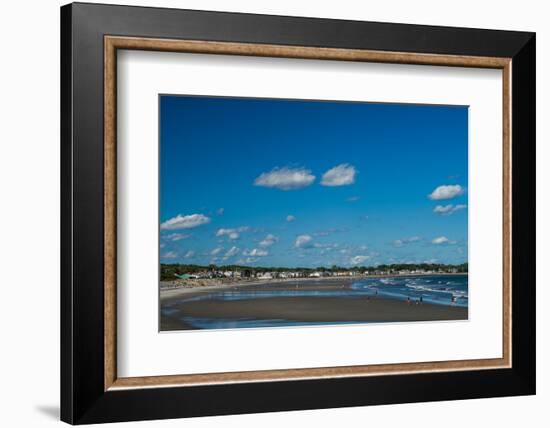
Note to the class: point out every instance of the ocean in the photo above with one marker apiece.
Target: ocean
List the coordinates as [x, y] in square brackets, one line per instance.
[440, 290]
[436, 289]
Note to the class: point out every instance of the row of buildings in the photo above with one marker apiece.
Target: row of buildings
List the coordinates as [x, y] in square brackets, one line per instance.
[251, 273]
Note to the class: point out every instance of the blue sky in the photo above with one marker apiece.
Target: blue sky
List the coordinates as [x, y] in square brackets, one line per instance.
[268, 182]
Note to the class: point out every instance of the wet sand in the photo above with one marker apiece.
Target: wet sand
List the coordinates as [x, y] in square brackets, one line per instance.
[300, 309]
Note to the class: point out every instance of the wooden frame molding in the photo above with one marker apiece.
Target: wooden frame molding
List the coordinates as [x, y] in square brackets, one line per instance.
[113, 43]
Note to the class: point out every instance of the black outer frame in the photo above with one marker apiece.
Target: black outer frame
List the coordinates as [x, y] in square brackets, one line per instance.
[83, 399]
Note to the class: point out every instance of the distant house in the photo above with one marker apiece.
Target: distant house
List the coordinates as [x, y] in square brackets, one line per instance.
[265, 275]
[187, 276]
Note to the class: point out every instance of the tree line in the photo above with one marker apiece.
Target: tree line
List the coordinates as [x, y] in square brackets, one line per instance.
[169, 271]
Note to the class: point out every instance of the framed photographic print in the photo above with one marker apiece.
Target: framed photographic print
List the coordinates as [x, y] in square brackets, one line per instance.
[265, 213]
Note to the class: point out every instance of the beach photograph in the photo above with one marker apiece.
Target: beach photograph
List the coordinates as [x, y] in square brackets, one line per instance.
[293, 213]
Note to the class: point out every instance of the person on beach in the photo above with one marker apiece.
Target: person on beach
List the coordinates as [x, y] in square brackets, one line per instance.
[408, 300]
[421, 300]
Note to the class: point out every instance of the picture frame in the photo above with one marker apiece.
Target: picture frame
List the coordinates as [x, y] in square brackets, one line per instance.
[91, 390]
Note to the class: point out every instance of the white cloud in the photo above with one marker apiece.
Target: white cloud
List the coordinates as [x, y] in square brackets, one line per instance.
[185, 222]
[449, 209]
[359, 259]
[353, 199]
[216, 251]
[189, 254]
[440, 240]
[341, 175]
[232, 252]
[285, 178]
[177, 236]
[329, 231]
[170, 255]
[303, 241]
[290, 218]
[256, 253]
[268, 241]
[326, 248]
[446, 192]
[248, 260]
[404, 241]
[232, 233]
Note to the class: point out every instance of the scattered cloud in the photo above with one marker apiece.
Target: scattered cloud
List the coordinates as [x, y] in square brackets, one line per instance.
[330, 231]
[174, 237]
[285, 178]
[446, 192]
[303, 241]
[353, 199]
[189, 254]
[341, 175]
[326, 248]
[216, 251]
[356, 260]
[290, 218]
[256, 252]
[170, 255]
[449, 209]
[232, 233]
[268, 241]
[405, 241]
[185, 222]
[442, 240]
[247, 260]
[233, 251]
[220, 211]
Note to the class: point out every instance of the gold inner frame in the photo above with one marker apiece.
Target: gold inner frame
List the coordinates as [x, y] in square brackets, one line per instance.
[113, 43]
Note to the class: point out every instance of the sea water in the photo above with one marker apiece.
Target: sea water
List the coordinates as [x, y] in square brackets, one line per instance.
[437, 289]
[451, 290]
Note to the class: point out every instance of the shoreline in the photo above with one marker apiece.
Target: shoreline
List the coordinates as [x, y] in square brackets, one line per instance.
[174, 291]
[292, 302]
[301, 311]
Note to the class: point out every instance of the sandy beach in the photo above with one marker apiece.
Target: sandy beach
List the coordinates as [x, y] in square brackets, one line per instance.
[178, 306]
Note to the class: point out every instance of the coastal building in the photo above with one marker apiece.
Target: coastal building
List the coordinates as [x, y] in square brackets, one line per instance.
[187, 276]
